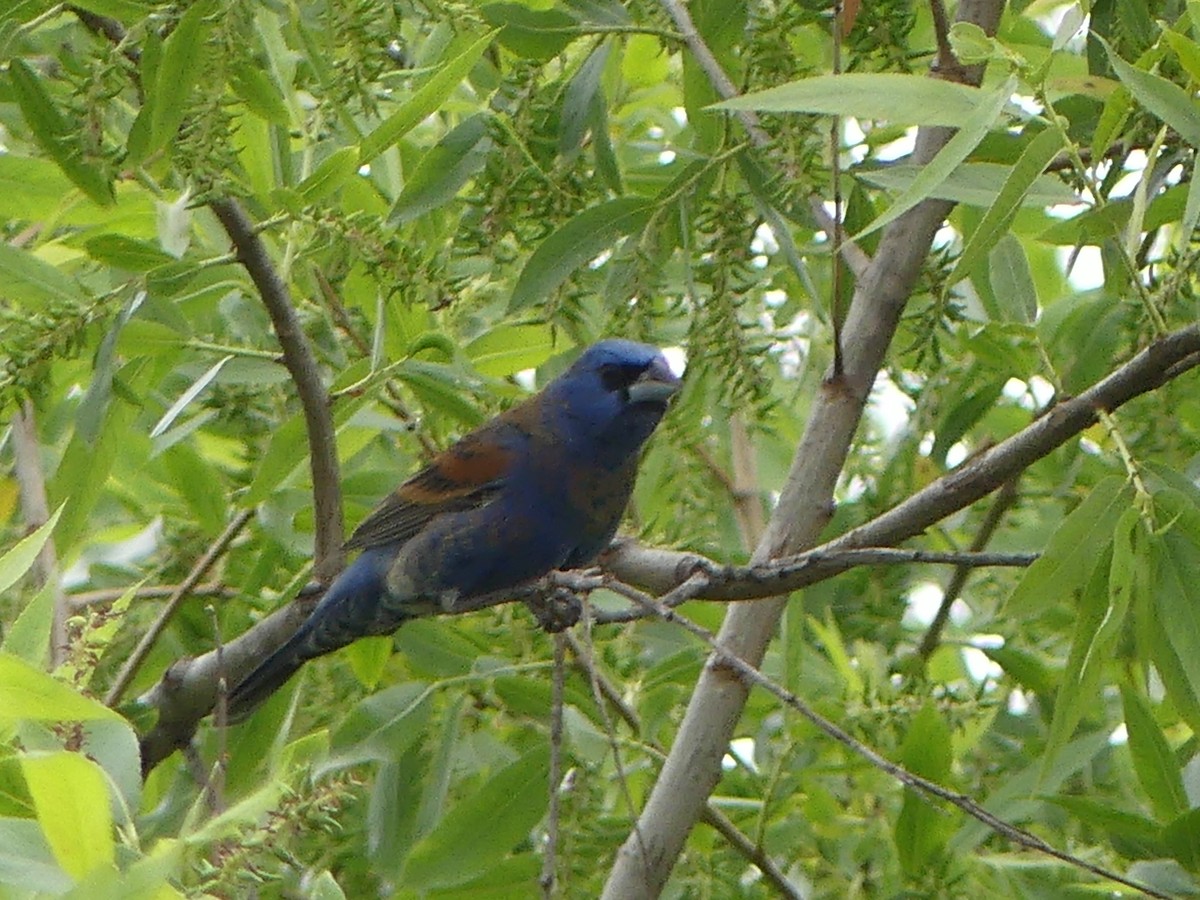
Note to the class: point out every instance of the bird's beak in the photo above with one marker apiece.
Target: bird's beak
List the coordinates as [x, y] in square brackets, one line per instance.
[656, 385]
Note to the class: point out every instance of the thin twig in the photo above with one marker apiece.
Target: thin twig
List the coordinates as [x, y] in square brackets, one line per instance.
[603, 689]
[856, 258]
[31, 481]
[329, 557]
[199, 570]
[1004, 500]
[753, 676]
[550, 858]
[216, 780]
[146, 592]
[947, 65]
[836, 313]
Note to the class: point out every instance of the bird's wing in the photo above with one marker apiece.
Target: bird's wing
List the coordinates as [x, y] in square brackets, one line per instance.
[465, 476]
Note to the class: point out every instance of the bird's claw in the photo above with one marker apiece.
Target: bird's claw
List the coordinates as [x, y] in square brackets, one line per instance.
[556, 610]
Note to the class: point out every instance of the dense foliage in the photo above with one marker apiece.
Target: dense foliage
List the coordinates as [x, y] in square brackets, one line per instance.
[457, 194]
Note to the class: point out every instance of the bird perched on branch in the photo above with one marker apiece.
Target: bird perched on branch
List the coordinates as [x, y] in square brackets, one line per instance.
[541, 486]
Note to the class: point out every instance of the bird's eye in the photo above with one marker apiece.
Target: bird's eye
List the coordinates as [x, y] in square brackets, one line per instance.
[616, 378]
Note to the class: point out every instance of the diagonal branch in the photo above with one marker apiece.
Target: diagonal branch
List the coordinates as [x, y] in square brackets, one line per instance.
[328, 556]
[135, 659]
[751, 675]
[693, 768]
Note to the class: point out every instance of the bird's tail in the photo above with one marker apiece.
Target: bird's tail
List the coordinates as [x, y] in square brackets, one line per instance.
[352, 608]
[270, 675]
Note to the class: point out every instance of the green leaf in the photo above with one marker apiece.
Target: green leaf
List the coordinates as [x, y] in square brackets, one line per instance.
[1076, 695]
[578, 99]
[958, 148]
[922, 828]
[1130, 833]
[26, 860]
[82, 475]
[972, 183]
[334, 171]
[1163, 98]
[26, 693]
[29, 636]
[895, 98]
[17, 561]
[1012, 280]
[1033, 161]
[1187, 52]
[1191, 215]
[1176, 602]
[184, 400]
[440, 387]
[259, 93]
[490, 821]
[1153, 761]
[382, 726]
[70, 795]
[425, 102]
[444, 169]
[1073, 550]
[509, 349]
[29, 280]
[55, 135]
[972, 404]
[579, 241]
[1014, 799]
[122, 252]
[178, 72]
[1182, 839]
[30, 186]
[537, 34]
[288, 450]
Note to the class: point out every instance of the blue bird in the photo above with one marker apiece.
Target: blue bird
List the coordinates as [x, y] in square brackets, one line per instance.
[541, 486]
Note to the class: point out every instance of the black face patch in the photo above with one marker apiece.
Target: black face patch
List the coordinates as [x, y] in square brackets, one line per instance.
[617, 379]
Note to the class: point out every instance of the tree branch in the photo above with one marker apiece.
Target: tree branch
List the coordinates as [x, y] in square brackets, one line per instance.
[101, 596]
[604, 691]
[35, 508]
[199, 570]
[328, 556]
[693, 768]
[1002, 504]
[188, 689]
[752, 676]
[856, 258]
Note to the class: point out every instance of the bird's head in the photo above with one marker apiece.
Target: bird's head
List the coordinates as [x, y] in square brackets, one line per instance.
[616, 392]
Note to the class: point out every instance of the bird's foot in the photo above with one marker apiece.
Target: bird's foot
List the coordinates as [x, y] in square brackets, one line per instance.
[557, 610]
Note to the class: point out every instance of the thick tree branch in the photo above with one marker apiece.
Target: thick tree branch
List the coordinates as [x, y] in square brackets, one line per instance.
[187, 691]
[328, 556]
[1169, 357]
[693, 767]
